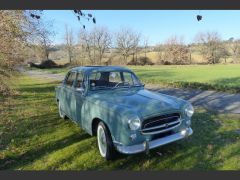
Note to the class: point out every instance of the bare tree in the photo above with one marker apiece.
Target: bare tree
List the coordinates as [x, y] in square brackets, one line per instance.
[210, 45]
[44, 37]
[175, 51]
[127, 42]
[96, 43]
[235, 49]
[223, 51]
[69, 44]
[87, 43]
[159, 48]
[103, 42]
[145, 46]
[190, 52]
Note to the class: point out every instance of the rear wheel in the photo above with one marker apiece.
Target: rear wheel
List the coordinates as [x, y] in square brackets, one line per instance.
[105, 144]
[61, 113]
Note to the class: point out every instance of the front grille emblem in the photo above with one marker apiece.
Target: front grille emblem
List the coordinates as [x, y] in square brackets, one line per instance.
[166, 125]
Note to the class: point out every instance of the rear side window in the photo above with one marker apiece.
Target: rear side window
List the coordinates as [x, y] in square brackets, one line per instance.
[70, 79]
[79, 81]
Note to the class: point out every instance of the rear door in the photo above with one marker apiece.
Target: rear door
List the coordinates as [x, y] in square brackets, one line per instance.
[68, 93]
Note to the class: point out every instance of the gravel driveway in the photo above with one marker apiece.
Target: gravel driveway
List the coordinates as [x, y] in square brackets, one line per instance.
[211, 100]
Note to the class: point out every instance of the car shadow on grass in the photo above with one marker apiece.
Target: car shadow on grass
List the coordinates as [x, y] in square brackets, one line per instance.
[32, 115]
[36, 153]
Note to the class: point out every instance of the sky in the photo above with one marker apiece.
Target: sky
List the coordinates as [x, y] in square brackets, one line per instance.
[156, 25]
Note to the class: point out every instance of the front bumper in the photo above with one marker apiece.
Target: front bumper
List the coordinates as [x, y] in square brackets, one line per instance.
[146, 145]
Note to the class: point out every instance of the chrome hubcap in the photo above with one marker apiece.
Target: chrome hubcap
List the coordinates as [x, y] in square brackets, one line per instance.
[102, 142]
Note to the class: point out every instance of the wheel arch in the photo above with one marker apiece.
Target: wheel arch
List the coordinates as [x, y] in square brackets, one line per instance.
[95, 122]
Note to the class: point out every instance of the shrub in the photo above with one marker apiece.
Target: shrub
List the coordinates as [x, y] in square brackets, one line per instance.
[141, 61]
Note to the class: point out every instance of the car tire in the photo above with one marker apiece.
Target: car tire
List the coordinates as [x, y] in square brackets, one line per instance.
[61, 113]
[105, 143]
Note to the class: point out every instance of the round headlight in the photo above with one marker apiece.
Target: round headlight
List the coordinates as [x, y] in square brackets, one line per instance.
[189, 110]
[134, 123]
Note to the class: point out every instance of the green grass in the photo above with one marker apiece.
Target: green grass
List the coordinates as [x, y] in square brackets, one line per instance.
[208, 77]
[219, 77]
[33, 137]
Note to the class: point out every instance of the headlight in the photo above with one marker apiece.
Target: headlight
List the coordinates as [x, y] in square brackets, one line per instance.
[134, 123]
[189, 110]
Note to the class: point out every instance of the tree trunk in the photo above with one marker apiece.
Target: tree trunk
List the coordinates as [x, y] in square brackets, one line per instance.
[190, 58]
[47, 54]
[234, 59]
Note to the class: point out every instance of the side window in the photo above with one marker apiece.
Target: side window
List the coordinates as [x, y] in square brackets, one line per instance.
[67, 76]
[95, 76]
[114, 77]
[128, 78]
[135, 80]
[79, 80]
[70, 79]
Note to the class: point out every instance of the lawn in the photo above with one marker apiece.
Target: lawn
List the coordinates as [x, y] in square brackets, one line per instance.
[221, 77]
[33, 137]
[214, 77]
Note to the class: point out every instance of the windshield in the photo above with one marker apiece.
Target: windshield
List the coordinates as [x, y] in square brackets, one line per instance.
[112, 79]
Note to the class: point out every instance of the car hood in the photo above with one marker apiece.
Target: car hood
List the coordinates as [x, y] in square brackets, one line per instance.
[143, 101]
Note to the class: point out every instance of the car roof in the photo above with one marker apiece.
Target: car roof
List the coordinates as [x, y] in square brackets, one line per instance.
[100, 68]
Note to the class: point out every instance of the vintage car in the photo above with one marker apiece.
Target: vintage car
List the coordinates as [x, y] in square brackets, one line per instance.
[111, 103]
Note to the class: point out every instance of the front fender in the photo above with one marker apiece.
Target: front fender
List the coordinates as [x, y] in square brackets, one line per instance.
[114, 116]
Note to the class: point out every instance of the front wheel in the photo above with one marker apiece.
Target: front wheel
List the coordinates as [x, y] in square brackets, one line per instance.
[105, 144]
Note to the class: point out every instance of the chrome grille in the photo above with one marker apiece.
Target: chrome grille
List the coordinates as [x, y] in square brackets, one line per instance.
[161, 123]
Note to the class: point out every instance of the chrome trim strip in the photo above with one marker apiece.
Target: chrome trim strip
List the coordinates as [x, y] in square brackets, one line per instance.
[152, 144]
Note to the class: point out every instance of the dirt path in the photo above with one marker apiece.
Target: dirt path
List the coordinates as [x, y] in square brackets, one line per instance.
[210, 100]
[57, 77]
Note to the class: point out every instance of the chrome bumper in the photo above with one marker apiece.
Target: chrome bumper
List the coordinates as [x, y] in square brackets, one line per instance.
[146, 145]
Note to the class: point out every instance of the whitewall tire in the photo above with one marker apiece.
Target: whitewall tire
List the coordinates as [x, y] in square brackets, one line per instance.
[104, 141]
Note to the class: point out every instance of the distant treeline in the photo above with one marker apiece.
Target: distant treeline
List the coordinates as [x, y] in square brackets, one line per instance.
[127, 47]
